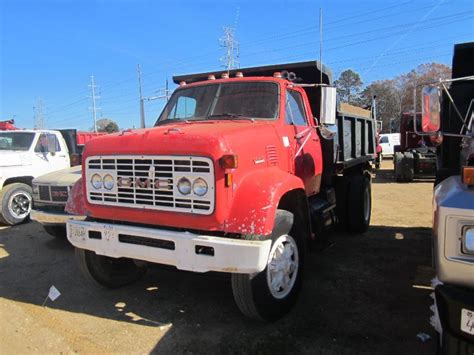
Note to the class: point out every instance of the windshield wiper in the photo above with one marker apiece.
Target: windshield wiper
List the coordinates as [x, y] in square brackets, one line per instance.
[232, 116]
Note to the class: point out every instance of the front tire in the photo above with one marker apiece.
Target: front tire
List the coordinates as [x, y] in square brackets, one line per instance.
[56, 231]
[270, 294]
[109, 272]
[15, 203]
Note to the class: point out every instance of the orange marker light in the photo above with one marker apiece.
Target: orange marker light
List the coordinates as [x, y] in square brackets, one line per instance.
[467, 175]
[229, 161]
[228, 180]
[225, 76]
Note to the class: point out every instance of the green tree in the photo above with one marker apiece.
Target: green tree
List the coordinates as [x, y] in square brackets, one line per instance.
[107, 125]
[388, 102]
[349, 86]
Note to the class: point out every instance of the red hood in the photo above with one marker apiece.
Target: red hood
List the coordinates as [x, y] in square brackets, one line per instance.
[210, 138]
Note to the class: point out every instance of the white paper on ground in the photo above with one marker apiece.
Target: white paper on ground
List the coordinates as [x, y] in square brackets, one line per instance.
[53, 293]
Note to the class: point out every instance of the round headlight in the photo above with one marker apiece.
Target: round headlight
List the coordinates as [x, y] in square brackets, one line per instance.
[96, 181]
[184, 186]
[108, 182]
[200, 187]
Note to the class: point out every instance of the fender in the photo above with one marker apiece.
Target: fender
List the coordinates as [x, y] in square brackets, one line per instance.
[256, 199]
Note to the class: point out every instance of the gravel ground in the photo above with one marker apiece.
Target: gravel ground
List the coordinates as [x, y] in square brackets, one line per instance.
[363, 294]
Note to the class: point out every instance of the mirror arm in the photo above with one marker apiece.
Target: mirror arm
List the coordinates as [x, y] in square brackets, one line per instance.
[454, 105]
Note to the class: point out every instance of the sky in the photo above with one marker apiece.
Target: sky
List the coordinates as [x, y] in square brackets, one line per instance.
[50, 49]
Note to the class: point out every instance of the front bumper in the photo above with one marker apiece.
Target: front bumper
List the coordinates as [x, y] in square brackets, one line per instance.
[52, 217]
[452, 303]
[186, 251]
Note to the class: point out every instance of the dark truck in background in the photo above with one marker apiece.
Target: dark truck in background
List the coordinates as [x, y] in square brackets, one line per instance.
[415, 157]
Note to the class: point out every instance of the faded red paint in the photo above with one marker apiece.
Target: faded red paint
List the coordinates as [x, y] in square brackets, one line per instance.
[75, 204]
[259, 181]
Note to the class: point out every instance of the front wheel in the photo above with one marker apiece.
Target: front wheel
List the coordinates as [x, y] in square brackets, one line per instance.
[15, 203]
[109, 272]
[270, 294]
[57, 231]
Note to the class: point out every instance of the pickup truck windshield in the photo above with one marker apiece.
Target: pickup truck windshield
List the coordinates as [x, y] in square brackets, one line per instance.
[228, 101]
[16, 140]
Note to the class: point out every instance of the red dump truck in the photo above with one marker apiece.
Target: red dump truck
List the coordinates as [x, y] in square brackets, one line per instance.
[242, 170]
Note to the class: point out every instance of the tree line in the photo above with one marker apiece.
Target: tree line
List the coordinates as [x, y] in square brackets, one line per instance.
[393, 96]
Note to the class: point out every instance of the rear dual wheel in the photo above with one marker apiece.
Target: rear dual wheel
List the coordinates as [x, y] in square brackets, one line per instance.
[354, 202]
[270, 294]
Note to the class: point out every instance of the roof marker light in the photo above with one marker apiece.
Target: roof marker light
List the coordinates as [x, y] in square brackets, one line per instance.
[277, 74]
[225, 76]
[182, 83]
[211, 77]
[239, 74]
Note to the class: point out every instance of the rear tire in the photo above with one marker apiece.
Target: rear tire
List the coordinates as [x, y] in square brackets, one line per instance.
[342, 191]
[15, 203]
[451, 345]
[398, 167]
[108, 272]
[270, 294]
[409, 170]
[56, 231]
[359, 204]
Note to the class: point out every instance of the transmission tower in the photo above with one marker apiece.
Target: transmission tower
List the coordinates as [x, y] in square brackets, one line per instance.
[230, 59]
[94, 107]
[39, 117]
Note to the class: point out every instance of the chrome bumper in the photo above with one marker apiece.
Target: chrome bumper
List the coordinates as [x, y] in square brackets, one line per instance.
[53, 217]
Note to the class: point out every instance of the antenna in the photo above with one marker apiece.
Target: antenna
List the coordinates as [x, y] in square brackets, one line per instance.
[321, 45]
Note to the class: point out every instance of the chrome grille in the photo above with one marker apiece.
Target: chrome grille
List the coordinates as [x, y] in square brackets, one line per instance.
[149, 182]
[48, 193]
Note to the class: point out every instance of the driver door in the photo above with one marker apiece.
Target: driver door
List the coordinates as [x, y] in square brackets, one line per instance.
[306, 149]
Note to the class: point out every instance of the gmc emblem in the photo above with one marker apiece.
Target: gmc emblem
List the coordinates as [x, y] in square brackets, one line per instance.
[143, 183]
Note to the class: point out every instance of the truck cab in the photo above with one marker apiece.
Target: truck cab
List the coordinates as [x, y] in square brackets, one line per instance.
[448, 121]
[236, 176]
[24, 155]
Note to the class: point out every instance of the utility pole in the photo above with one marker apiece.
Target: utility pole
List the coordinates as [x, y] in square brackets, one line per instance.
[162, 94]
[228, 42]
[94, 97]
[39, 119]
[142, 105]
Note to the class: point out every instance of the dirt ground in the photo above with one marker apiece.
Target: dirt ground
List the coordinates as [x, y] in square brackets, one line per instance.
[362, 294]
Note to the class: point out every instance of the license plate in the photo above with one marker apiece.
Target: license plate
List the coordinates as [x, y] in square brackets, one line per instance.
[78, 232]
[467, 321]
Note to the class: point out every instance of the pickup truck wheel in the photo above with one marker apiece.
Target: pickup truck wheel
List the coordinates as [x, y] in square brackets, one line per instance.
[56, 231]
[270, 294]
[15, 203]
[109, 272]
[359, 203]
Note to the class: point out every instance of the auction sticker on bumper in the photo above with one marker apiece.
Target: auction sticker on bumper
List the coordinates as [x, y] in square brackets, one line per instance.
[467, 321]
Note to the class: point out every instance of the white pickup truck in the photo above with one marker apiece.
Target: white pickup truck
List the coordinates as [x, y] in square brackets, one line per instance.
[24, 155]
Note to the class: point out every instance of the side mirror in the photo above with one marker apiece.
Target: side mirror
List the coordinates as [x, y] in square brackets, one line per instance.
[327, 110]
[430, 118]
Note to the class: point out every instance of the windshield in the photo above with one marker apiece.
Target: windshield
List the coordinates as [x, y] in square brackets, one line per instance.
[242, 100]
[16, 140]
